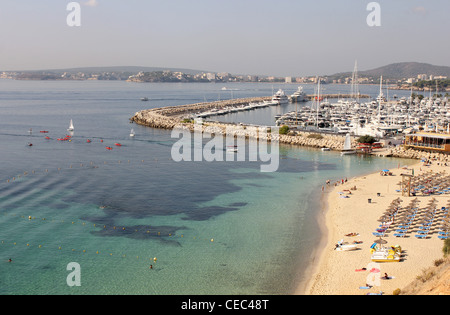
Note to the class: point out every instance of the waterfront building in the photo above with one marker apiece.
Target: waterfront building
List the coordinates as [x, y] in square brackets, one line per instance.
[428, 141]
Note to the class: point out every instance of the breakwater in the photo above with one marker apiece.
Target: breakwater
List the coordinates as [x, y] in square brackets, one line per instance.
[178, 117]
[169, 117]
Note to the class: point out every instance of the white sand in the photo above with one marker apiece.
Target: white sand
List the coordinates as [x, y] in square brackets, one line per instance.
[335, 272]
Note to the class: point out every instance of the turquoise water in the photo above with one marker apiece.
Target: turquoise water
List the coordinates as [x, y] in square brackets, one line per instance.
[214, 228]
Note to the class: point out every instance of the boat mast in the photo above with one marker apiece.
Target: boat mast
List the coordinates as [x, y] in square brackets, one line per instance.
[379, 98]
[318, 105]
[355, 88]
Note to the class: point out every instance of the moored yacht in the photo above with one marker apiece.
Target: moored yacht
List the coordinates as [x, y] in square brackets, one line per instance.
[299, 96]
[280, 97]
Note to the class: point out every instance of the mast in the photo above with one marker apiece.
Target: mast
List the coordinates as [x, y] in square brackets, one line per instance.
[355, 88]
[379, 98]
[318, 105]
[410, 104]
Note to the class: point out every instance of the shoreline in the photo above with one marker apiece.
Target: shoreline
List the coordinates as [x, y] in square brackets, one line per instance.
[334, 273]
[316, 257]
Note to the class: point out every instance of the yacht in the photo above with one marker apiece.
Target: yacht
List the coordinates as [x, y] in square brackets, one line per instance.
[280, 97]
[347, 146]
[299, 96]
[70, 126]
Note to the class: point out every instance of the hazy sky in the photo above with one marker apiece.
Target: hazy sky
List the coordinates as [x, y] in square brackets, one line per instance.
[276, 37]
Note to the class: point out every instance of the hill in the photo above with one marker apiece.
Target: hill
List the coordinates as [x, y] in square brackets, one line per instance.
[432, 281]
[116, 69]
[397, 71]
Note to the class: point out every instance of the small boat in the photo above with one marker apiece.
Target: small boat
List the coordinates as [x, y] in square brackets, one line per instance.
[132, 132]
[109, 148]
[88, 141]
[117, 144]
[325, 149]
[232, 148]
[348, 146]
[48, 138]
[144, 99]
[385, 255]
[344, 247]
[43, 131]
[70, 126]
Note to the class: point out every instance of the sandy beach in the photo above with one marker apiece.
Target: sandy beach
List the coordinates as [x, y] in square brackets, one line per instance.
[336, 271]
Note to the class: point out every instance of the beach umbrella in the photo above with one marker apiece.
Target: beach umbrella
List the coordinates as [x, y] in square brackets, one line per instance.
[384, 219]
[380, 241]
[385, 170]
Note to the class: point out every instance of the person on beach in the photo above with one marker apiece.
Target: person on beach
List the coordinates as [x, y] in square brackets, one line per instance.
[386, 277]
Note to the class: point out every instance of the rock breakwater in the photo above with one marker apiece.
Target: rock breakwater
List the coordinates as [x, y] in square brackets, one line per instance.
[180, 117]
[177, 117]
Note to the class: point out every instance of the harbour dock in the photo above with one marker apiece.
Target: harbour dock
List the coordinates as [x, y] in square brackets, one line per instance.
[183, 117]
[338, 96]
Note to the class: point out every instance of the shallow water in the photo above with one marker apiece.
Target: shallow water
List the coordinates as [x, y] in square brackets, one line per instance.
[213, 227]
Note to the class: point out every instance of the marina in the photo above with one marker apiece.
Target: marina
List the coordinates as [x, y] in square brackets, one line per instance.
[388, 121]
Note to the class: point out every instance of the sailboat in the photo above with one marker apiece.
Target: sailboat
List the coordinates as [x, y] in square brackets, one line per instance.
[348, 146]
[71, 126]
[132, 132]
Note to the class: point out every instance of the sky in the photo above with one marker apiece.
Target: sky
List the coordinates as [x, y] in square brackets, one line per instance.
[260, 37]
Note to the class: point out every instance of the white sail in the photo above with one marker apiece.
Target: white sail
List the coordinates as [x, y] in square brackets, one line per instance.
[71, 126]
[348, 146]
[347, 143]
[132, 132]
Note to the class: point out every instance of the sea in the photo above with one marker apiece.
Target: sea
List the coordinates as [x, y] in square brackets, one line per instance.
[77, 218]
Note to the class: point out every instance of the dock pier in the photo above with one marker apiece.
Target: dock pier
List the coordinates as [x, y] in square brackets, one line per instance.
[324, 96]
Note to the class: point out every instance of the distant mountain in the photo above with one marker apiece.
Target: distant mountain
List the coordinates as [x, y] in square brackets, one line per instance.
[397, 71]
[118, 69]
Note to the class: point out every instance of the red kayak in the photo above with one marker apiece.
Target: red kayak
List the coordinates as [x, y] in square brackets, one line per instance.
[118, 144]
[88, 141]
[108, 148]
[43, 131]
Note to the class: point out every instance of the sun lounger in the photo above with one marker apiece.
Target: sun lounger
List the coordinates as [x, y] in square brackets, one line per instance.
[422, 236]
[400, 234]
[443, 237]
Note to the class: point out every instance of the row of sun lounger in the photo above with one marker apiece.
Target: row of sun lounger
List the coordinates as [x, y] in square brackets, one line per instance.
[424, 221]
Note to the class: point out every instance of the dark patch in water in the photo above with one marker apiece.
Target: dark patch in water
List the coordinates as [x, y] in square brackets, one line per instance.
[141, 232]
[205, 213]
[238, 204]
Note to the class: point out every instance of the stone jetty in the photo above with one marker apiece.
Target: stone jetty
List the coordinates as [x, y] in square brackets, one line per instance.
[179, 117]
[169, 117]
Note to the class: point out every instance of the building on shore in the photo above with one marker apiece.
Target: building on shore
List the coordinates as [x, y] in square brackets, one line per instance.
[428, 141]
